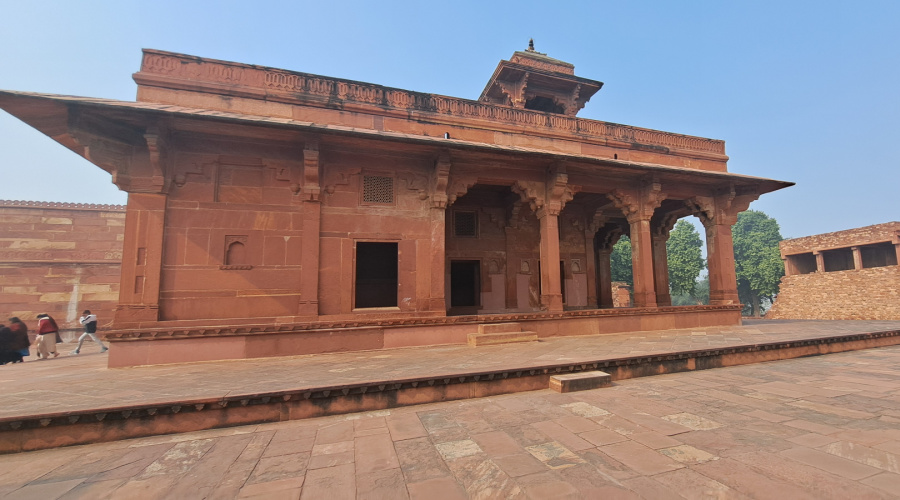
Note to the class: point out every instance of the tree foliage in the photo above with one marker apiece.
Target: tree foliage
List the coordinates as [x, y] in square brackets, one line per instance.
[620, 261]
[684, 258]
[757, 258]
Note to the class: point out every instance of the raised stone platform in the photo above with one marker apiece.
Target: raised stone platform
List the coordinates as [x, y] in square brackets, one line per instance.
[76, 399]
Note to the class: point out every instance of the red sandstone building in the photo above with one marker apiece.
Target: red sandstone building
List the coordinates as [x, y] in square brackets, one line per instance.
[273, 212]
[852, 274]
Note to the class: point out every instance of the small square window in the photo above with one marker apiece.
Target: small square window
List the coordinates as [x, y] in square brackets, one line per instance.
[378, 189]
[465, 224]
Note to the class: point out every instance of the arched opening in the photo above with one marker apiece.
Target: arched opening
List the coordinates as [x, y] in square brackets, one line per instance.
[236, 255]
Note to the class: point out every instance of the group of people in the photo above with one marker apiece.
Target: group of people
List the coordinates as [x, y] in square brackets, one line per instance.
[14, 342]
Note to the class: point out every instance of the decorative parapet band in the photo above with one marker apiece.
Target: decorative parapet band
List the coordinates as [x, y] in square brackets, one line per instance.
[294, 86]
[59, 205]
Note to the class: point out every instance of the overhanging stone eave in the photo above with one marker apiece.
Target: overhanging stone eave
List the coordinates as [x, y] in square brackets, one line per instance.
[157, 110]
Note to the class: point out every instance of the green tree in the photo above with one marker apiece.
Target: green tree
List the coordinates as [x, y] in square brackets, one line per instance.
[757, 258]
[620, 261]
[685, 258]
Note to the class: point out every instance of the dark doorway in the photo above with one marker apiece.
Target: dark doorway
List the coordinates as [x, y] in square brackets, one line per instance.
[562, 279]
[465, 285]
[376, 275]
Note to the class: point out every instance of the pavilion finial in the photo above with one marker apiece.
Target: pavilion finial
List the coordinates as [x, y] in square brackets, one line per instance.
[530, 45]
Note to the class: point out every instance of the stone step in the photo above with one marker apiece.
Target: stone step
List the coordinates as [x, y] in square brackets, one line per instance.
[581, 381]
[499, 328]
[480, 339]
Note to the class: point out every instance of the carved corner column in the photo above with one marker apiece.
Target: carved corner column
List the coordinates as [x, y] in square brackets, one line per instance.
[639, 211]
[547, 201]
[718, 214]
[551, 282]
[438, 213]
[141, 166]
[311, 217]
[720, 262]
[642, 261]
[142, 254]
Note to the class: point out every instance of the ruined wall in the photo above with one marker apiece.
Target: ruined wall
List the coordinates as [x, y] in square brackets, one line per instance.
[59, 258]
[839, 239]
[872, 294]
[850, 274]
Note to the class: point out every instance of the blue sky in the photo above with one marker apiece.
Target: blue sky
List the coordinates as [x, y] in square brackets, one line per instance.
[802, 91]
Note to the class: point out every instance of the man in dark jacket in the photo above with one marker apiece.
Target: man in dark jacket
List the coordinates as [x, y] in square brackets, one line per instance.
[20, 342]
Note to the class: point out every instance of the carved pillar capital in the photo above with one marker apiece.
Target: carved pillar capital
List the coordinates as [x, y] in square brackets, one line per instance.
[639, 204]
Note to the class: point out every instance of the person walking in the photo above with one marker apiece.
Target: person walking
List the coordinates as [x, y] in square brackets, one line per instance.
[47, 331]
[20, 342]
[90, 329]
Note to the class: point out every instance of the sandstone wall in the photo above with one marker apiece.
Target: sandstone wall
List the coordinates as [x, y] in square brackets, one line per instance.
[60, 258]
[871, 294]
[841, 239]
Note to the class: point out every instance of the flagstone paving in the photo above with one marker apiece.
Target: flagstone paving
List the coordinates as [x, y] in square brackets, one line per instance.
[83, 382]
[816, 427]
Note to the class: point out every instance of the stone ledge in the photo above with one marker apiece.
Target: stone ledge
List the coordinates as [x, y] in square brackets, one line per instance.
[480, 339]
[582, 381]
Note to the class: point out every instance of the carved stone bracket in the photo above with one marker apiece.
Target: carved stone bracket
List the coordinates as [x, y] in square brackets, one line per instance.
[440, 180]
[664, 226]
[642, 205]
[531, 193]
[311, 189]
[722, 208]
[157, 148]
[598, 220]
[417, 183]
[515, 91]
[459, 185]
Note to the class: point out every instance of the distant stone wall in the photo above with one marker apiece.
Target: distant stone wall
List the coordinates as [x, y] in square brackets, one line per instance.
[840, 239]
[852, 274]
[871, 294]
[59, 259]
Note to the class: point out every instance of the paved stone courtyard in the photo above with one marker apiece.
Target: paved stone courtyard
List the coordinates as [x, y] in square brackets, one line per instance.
[818, 427]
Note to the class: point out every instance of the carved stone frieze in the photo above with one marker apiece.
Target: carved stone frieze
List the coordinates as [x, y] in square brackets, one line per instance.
[293, 87]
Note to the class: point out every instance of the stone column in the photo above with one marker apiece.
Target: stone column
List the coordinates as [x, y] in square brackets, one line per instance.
[720, 261]
[436, 301]
[551, 286]
[857, 258]
[642, 261]
[820, 261]
[897, 251]
[789, 269]
[312, 220]
[438, 212]
[604, 277]
[661, 268]
[142, 254]
[590, 267]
